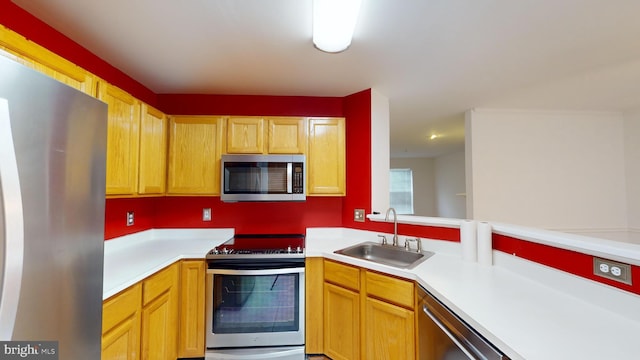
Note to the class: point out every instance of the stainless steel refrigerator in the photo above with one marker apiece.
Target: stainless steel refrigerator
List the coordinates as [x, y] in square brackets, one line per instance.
[52, 197]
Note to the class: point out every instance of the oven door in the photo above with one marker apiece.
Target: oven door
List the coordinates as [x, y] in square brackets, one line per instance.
[249, 307]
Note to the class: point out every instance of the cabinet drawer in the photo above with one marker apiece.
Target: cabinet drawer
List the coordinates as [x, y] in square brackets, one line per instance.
[121, 306]
[343, 275]
[159, 283]
[390, 289]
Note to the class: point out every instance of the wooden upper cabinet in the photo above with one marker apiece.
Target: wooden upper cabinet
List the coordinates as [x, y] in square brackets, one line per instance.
[245, 135]
[326, 157]
[37, 57]
[286, 135]
[195, 146]
[123, 136]
[153, 151]
[270, 135]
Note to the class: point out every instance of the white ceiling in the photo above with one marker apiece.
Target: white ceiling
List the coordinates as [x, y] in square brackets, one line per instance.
[433, 59]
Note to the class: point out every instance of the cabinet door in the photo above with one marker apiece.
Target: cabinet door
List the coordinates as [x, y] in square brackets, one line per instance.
[37, 57]
[389, 331]
[286, 135]
[121, 325]
[314, 270]
[123, 136]
[153, 151]
[341, 323]
[326, 157]
[191, 334]
[195, 144]
[245, 135]
[160, 315]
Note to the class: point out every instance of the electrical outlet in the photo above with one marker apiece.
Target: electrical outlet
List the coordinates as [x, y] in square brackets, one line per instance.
[206, 214]
[129, 218]
[358, 215]
[612, 270]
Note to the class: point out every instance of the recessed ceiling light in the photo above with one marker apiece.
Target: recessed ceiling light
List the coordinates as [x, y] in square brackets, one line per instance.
[433, 136]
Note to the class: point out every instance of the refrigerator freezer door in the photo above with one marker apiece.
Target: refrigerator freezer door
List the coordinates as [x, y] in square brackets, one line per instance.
[11, 227]
[59, 139]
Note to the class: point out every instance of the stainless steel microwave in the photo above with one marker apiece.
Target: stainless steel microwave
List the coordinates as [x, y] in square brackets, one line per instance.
[262, 178]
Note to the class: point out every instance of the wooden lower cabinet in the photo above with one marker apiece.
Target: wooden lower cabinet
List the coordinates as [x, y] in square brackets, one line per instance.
[366, 314]
[389, 331]
[148, 320]
[342, 323]
[121, 325]
[314, 304]
[192, 298]
[160, 315]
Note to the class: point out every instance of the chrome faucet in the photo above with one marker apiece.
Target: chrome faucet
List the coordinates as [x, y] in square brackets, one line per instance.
[395, 225]
[418, 244]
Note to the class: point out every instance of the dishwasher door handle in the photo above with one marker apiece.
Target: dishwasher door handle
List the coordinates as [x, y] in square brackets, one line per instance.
[451, 336]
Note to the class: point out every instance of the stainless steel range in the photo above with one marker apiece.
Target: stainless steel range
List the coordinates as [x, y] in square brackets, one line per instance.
[255, 298]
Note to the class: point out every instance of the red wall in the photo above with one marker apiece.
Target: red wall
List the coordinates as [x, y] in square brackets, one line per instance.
[198, 104]
[20, 21]
[569, 261]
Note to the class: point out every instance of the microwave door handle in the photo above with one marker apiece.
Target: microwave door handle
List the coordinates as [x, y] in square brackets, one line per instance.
[289, 178]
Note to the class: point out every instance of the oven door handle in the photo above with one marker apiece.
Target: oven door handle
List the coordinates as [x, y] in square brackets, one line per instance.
[255, 271]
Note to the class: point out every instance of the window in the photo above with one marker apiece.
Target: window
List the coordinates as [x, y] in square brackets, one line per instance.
[401, 190]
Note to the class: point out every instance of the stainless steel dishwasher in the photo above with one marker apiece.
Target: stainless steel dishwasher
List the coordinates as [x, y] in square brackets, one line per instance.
[444, 336]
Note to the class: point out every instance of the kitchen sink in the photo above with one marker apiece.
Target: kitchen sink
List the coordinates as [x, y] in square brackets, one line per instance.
[386, 254]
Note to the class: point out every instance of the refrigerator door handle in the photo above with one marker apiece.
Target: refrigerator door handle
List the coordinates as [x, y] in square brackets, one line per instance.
[13, 236]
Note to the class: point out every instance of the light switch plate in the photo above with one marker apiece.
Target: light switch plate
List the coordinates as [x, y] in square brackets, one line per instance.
[358, 215]
[206, 214]
[130, 218]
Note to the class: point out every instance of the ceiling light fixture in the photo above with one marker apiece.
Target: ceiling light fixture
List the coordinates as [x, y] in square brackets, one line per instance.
[333, 23]
[433, 137]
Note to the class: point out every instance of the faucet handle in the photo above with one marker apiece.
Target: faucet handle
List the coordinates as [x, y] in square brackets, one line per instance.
[418, 243]
[384, 239]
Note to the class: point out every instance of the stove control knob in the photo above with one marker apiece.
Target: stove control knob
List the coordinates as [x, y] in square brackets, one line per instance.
[225, 251]
[215, 251]
[298, 249]
[289, 249]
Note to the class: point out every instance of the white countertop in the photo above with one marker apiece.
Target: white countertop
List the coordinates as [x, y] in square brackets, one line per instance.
[527, 310]
[131, 258]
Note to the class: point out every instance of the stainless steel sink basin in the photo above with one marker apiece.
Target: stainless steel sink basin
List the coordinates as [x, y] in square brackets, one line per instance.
[386, 254]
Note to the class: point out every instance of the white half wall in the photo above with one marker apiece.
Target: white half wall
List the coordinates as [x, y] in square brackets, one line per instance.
[547, 169]
[380, 152]
[632, 166]
[450, 185]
